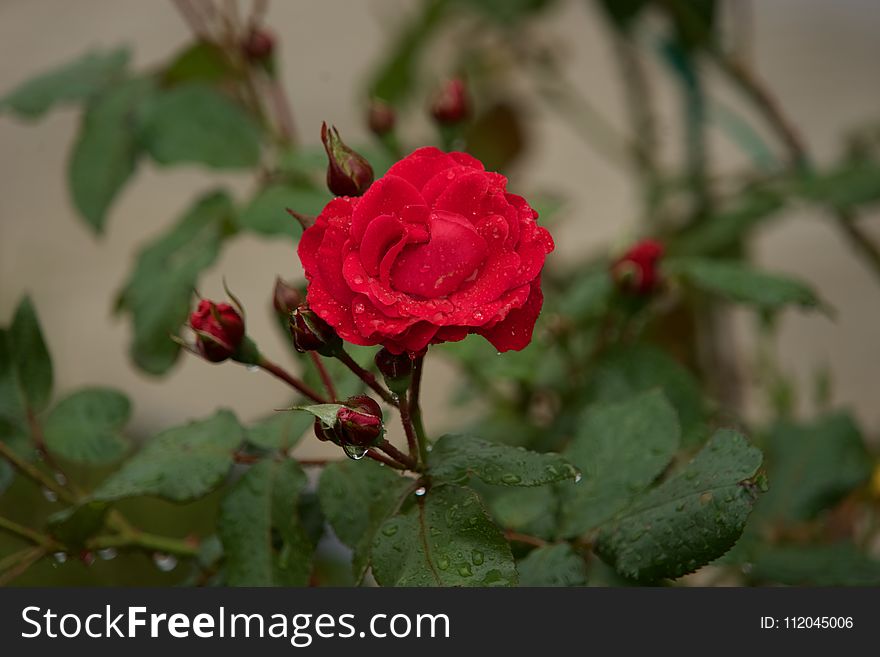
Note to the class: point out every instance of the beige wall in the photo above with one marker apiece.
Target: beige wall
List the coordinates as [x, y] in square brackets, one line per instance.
[821, 57]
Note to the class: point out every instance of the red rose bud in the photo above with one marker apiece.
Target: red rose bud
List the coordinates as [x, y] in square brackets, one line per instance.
[285, 298]
[452, 103]
[381, 117]
[637, 271]
[311, 333]
[219, 330]
[259, 45]
[396, 369]
[325, 433]
[348, 173]
[359, 422]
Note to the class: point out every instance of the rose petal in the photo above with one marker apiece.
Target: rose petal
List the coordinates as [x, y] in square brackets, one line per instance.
[337, 315]
[381, 234]
[388, 195]
[421, 165]
[515, 332]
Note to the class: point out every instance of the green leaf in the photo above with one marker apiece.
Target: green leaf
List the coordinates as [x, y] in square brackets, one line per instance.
[357, 497]
[279, 430]
[587, 295]
[846, 186]
[324, 412]
[455, 458]
[85, 426]
[196, 123]
[30, 357]
[179, 464]
[811, 467]
[688, 520]
[444, 539]
[74, 526]
[620, 449]
[838, 564]
[552, 565]
[106, 150]
[159, 290]
[737, 282]
[14, 431]
[533, 511]
[624, 372]
[267, 215]
[199, 62]
[71, 82]
[263, 539]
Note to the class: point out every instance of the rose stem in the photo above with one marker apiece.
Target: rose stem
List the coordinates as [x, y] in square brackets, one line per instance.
[365, 376]
[34, 473]
[325, 375]
[378, 456]
[407, 422]
[415, 410]
[278, 372]
[395, 453]
[524, 538]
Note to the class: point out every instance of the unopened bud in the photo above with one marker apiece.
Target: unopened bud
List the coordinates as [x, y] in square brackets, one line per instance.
[637, 271]
[219, 330]
[396, 369]
[285, 298]
[348, 172]
[452, 103]
[311, 333]
[359, 422]
[325, 433]
[381, 117]
[259, 45]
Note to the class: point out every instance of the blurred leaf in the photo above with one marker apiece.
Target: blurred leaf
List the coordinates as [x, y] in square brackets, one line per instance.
[14, 430]
[532, 511]
[179, 464]
[455, 458]
[586, 295]
[85, 427]
[625, 371]
[195, 123]
[552, 565]
[850, 184]
[266, 214]
[263, 539]
[279, 431]
[839, 564]
[358, 497]
[444, 539]
[106, 149]
[199, 62]
[496, 137]
[811, 467]
[688, 520]
[395, 79]
[738, 282]
[620, 449]
[506, 11]
[159, 290]
[74, 526]
[71, 82]
[30, 356]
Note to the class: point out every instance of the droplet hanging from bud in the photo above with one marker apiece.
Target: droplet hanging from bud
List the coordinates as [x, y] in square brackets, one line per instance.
[348, 172]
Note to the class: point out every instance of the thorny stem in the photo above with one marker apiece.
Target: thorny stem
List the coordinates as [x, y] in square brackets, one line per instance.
[146, 541]
[366, 377]
[298, 385]
[381, 458]
[396, 454]
[511, 535]
[30, 470]
[27, 533]
[15, 564]
[324, 374]
[415, 409]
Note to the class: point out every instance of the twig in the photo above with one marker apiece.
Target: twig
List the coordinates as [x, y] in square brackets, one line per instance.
[324, 374]
[298, 385]
[31, 535]
[381, 458]
[396, 454]
[511, 535]
[15, 564]
[145, 541]
[366, 377]
[30, 470]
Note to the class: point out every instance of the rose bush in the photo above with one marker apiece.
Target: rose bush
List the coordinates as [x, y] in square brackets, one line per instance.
[435, 250]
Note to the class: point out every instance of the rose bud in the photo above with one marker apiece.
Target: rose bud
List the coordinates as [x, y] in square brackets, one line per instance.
[348, 172]
[219, 330]
[452, 103]
[311, 333]
[259, 45]
[396, 369]
[636, 271]
[325, 433]
[285, 298]
[381, 117]
[359, 422]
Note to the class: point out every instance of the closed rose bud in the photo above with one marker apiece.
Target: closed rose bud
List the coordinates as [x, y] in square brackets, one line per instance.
[348, 172]
[637, 270]
[452, 103]
[325, 433]
[285, 298]
[311, 333]
[359, 422]
[396, 369]
[219, 330]
[258, 45]
[381, 117]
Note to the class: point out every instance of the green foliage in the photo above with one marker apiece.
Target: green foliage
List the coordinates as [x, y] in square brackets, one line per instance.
[266, 213]
[443, 539]
[195, 123]
[688, 520]
[85, 427]
[179, 464]
[75, 81]
[158, 292]
[75, 525]
[552, 565]
[199, 62]
[620, 449]
[324, 412]
[848, 185]
[455, 458]
[279, 430]
[264, 541]
[532, 511]
[836, 564]
[30, 357]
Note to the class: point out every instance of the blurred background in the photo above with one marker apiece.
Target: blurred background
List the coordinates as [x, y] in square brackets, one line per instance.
[818, 57]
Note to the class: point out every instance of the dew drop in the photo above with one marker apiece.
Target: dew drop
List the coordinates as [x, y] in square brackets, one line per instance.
[165, 562]
[60, 478]
[395, 397]
[358, 280]
[107, 554]
[389, 530]
[465, 571]
[429, 447]
[252, 368]
[354, 452]
[420, 491]
[442, 563]
[578, 477]
[50, 495]
[477, 557]
[510, 478]
[60, 557]
[359, 308]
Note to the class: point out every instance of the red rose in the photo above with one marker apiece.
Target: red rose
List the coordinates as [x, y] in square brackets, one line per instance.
[637, 271]
[219, 330]
[435, 250]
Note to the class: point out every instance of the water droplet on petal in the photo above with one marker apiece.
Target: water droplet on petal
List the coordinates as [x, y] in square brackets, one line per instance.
[165, 562]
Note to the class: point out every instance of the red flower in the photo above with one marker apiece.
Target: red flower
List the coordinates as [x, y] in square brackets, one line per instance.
[219, 330]
[452, 103]
[435, 250]
[637, 271]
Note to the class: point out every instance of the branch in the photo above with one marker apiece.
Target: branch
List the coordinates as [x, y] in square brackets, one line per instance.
[366, 377]
[298, 385]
